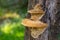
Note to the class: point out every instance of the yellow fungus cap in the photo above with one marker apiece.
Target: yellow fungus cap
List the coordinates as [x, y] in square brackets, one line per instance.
[36, 11]
[31, 23]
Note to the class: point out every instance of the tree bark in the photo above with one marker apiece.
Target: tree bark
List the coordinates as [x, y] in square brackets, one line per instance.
[52, 17]
[53, 8]
[44, 36]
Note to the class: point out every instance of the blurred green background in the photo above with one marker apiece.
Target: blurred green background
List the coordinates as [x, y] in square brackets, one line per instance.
[12, 12]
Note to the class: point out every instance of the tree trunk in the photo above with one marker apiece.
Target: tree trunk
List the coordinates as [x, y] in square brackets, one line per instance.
[52, 17]
[52, 8]
[44, 36]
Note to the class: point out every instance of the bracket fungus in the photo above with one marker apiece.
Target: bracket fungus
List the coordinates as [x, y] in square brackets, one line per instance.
[37, 9]
[37, 27]
[36, 13]
[35, 33]
[37, 6]
[31, 23]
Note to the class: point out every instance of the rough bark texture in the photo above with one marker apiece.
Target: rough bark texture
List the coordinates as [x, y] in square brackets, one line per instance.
[44, 36]
[52, 17]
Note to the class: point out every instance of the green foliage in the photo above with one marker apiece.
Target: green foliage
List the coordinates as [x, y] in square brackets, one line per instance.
[11, 28]
[13, 4]
[19, 6]
[2, 11]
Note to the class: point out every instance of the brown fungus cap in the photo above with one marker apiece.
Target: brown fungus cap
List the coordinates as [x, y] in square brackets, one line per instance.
[37, 6]
[30, 23]
[36, 11]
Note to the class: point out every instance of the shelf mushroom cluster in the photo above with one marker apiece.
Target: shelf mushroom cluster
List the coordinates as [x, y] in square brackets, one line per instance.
[36, 14]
